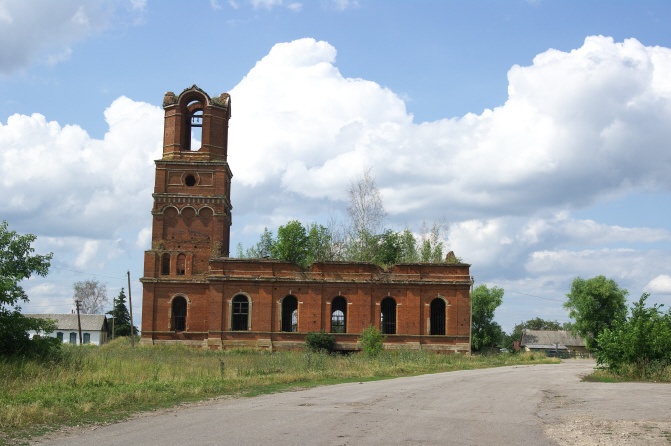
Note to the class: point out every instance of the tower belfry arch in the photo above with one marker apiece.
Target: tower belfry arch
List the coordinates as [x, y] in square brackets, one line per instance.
[194, 109]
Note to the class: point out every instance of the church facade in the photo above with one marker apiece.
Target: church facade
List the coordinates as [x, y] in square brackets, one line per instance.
[195, 294]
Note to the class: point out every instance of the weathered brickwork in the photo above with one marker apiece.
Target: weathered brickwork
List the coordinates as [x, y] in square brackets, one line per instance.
[193, 293]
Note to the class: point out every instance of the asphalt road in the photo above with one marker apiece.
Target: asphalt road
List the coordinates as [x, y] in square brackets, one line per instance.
[519, 405]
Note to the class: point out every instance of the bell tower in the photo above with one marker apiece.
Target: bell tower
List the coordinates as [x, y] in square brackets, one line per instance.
[192, 206]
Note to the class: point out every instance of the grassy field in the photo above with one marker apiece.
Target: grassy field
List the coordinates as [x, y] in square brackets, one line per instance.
[102, 384]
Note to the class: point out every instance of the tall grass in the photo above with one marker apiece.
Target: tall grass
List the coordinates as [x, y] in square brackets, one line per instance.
[95, 384]
[650, 372]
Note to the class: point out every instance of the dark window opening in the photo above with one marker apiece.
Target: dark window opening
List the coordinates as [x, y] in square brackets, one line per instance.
[190, 180]
[388, 316]
[165, 264]
[59, 336]
[290, 314]
[87, 338]
[179, 314]
[438, 317]
[73, 338]
[181, 265]
[339, 315]
[240, 313]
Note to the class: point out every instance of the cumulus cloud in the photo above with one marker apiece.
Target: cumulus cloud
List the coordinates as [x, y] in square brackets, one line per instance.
[577, 125]
[75, 184]
[143, 240]
[43, 30]
[659, 285]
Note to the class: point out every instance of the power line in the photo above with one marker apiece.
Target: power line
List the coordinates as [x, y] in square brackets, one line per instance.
[533, 295]
[88, 274]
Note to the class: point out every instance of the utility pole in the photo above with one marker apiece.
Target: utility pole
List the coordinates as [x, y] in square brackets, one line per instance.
[79, 322]
[130, 308]
[113, 318]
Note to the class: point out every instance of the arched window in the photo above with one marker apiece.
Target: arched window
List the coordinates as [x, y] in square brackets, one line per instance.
[87, 338]
[59, 336]
[339, 315]
[181, 265]
[388, 316]
[165, 264]
[290, 314]
[240, 313]
[437, 316]
[179, 313]
[194, 121]
[73, 338]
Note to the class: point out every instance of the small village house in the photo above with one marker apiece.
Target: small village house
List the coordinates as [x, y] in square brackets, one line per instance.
[554, 343]
[94, 328]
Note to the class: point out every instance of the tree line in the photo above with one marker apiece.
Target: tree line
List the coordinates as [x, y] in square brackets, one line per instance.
[633, 342]
[362, 238]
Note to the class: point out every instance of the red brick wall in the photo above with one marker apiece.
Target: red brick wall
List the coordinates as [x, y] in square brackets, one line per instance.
[267, 282]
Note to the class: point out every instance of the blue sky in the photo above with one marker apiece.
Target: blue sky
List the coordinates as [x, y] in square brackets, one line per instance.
[537, 130]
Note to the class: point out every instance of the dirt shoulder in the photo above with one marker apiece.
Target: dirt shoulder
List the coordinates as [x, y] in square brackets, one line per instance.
[591, 413]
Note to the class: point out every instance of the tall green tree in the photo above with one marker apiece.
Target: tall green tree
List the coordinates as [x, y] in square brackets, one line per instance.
[291, 244]
[408, 242]
[121, 317]
[18, 261]
[595, 304]
[320, 244]
[484, 331]
[389, 248]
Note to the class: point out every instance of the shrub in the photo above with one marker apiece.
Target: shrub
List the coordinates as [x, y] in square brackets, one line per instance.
[642, 342]
[320, 341]
[14, 339]
[372, 341]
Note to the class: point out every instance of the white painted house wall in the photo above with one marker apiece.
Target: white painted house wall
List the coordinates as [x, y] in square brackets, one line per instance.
[94, 328]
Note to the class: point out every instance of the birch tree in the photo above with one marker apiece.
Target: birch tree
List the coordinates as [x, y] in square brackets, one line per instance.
[92, 296]
[366, 214]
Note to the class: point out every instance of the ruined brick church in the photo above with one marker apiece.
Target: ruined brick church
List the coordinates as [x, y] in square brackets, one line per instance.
[195, 294]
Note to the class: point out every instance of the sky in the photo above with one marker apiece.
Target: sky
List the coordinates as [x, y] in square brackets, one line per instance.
[537, 132]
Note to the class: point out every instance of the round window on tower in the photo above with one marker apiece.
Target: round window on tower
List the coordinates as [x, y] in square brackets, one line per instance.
[190, 179]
